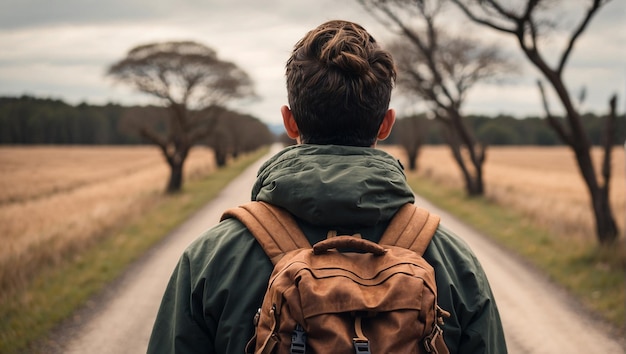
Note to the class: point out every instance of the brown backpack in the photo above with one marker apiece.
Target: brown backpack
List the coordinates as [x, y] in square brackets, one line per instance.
[366, 298]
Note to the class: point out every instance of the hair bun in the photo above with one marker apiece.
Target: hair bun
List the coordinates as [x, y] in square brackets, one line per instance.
[345, 51]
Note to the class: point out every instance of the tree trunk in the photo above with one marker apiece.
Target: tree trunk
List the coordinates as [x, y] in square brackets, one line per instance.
[176, 157]
[412, 162]
[474, 184]
[606, 226]
[479, 184]
[412, 154]
[576, 138]
[221, 158]
[175, 183]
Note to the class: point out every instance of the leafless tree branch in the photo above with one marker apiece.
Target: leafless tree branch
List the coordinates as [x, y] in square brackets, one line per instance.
[581, 28]
[552, 120]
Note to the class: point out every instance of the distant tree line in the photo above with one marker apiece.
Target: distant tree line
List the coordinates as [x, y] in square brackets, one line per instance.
[30, 120]
[501, 130]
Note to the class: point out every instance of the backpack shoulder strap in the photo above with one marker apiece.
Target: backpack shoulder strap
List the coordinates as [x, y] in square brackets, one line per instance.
[273, 227]
[412, 227]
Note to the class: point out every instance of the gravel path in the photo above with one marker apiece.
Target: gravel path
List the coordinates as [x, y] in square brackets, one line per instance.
[537, 316]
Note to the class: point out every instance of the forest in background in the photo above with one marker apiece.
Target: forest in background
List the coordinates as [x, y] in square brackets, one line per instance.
[31, 120]
[28, 120]
[505, 130]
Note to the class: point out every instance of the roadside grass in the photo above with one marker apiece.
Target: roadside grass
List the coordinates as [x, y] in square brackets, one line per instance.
[28, 315]
[593, 274]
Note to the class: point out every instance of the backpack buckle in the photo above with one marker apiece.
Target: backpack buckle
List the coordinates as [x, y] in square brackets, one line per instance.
[361, 343]
[361, 346]
[298, 340]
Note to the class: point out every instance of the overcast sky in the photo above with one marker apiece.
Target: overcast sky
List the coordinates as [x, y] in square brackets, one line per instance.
[62, 48]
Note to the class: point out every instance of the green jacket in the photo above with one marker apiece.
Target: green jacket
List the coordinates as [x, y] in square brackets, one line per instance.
[220, 279]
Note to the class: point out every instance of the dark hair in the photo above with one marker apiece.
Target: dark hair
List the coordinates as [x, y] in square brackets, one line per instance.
[339, 84]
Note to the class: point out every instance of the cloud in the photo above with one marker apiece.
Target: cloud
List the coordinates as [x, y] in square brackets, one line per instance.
[17, 14]
[61, 48]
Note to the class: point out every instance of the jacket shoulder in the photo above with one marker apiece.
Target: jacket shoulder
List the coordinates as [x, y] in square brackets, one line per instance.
[228, 273]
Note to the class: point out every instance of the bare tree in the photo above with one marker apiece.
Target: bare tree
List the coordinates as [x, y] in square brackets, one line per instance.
[529, 22]
[441, 69]
[189, 79]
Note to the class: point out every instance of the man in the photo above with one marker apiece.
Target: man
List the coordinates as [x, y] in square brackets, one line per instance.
[339, 84]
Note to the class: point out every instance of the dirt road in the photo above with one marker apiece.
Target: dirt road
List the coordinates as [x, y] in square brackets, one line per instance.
[538, 318]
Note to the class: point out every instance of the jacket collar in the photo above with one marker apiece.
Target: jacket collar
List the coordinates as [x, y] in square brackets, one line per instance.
[331, 185]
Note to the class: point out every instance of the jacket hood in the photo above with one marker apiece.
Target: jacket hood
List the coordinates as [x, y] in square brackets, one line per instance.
[332, 185]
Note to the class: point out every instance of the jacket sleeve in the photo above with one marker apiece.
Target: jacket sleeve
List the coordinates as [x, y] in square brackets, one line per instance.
[479, 318]
[180, 326]
[463, 290]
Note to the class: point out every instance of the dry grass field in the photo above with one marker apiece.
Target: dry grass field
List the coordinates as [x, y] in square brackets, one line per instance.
[542, 182]
[54, 201]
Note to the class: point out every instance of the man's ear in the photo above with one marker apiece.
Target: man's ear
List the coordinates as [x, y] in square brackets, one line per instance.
[386, 125]
[290, 123]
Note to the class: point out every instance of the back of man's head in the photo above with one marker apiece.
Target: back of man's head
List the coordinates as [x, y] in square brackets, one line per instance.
[339, 84]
